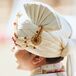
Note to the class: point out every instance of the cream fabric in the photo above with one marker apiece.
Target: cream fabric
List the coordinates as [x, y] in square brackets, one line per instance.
[54, 36]
[53, 74]
[42, 14]
[42, 70]
[71, 58]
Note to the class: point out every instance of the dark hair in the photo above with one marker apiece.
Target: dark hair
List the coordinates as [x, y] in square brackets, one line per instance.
[51, 60]
[54, 60]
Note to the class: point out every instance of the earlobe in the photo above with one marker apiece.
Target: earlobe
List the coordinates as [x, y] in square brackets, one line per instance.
[37, 60]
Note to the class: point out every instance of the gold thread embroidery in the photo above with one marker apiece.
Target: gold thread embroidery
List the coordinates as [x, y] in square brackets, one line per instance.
[36, 39]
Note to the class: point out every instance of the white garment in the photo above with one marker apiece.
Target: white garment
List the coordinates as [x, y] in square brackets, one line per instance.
[71, 60]
[53, 74]
[44, 70]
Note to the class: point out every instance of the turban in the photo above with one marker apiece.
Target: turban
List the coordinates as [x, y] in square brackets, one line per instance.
[45, 33]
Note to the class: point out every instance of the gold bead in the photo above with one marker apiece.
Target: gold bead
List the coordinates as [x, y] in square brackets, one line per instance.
[25, 37]
[36, 31]
[34, 47]
[25, 41]
[15, 35]
[26, 45]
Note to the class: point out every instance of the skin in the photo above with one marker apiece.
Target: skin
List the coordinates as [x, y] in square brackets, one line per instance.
[28, 61]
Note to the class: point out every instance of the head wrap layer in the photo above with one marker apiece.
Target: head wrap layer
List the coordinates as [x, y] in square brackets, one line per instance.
[45, 33]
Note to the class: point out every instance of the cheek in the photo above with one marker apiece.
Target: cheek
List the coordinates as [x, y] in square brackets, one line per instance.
[24, 60]
[24, 63]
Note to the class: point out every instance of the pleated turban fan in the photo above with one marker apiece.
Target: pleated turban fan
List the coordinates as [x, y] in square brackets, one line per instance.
[45, 33]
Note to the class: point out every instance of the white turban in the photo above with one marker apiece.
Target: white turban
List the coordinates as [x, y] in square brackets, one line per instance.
[45, 33]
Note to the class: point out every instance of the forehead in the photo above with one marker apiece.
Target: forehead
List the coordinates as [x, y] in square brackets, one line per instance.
[22, 53]
[19, 50]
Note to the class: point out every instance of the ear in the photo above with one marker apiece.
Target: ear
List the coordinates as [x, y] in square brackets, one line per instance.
[37, 59]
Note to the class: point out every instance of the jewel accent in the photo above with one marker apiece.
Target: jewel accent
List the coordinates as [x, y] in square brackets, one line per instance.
[25, 37]
[15, 35]
[25, 41]
[34, 47]
[36, 39]
[26, 45]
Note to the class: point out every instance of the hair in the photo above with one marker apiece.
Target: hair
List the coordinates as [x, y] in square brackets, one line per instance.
[50, 60]
[54, 60]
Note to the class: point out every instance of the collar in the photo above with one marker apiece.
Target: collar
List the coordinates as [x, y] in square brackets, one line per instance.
[48, 68]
